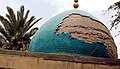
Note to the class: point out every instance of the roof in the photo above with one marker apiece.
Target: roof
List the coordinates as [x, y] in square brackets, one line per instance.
[82, 34]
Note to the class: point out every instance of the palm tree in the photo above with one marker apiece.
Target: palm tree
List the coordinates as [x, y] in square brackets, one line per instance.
[14, 32]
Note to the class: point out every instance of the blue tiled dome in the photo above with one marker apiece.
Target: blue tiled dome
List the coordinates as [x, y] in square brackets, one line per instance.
[85, 42]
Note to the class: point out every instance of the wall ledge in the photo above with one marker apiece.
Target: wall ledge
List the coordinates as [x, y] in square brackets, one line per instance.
[63, 57]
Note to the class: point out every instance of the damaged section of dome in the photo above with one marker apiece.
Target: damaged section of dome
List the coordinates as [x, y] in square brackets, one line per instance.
[87, 29]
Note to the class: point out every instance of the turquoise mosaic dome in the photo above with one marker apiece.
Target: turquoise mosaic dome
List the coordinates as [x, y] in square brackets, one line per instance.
[74, 32]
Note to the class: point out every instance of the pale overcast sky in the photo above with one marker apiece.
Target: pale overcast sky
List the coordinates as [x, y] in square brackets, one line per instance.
[48, 8]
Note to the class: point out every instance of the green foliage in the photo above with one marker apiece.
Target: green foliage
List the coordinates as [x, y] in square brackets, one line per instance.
[116, 21]
[14, 33]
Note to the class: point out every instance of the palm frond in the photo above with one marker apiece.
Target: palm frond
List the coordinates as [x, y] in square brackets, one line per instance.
[6, 23]
[18, 15]
[31, 33]
[12, 15]
[27, 27]
[26, 15]
[33, 23]
[2, 38]
[22, 11]
[29, 21]
[21, 17]
[4, 33]
[19, 20]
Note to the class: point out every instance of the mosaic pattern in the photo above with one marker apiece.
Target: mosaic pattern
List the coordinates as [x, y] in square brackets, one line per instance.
[49, 40]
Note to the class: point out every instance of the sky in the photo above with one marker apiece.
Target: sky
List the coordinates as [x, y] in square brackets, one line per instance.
[49, 8]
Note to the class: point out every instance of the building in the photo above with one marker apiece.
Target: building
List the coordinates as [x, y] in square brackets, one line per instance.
[73, 39]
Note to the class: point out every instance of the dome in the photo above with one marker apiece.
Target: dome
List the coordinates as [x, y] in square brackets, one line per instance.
[74, 32]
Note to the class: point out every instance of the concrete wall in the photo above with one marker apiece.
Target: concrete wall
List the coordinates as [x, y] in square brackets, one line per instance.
[21, 62]
[26, 60]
